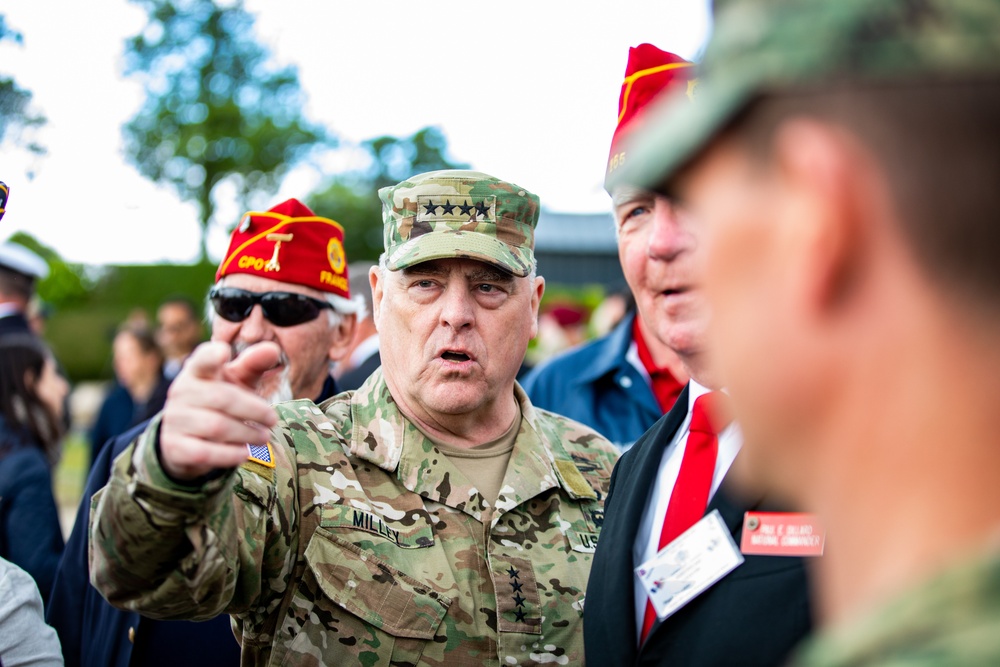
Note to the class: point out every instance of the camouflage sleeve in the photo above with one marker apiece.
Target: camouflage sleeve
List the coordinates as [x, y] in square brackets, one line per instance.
[170, 551]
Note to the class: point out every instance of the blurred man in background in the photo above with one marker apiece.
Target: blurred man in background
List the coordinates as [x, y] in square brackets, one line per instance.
[842, 159]
[178, 332]
[20, 271]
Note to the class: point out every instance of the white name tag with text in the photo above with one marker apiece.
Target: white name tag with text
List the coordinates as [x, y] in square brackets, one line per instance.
[689, 565]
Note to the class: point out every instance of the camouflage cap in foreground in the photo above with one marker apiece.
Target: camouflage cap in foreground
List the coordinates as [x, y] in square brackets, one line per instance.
[459, 213]
[762, 47]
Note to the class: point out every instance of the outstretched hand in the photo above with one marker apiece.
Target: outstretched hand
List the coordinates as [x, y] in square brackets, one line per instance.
[212, 410]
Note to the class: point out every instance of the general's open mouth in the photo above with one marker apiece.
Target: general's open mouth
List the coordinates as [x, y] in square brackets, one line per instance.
[454, 356]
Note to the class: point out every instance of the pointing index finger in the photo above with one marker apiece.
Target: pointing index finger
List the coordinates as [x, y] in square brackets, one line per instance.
[250, 365]
[208, 360]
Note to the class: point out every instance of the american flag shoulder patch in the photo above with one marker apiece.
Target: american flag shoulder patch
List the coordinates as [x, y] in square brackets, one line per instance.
[261, 454]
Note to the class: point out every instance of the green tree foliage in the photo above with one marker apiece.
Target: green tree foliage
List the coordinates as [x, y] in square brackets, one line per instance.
[217, 106]
[17, 118]
[352, 199]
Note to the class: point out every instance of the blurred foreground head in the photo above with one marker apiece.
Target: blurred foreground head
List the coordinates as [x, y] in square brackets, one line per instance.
[842, 158]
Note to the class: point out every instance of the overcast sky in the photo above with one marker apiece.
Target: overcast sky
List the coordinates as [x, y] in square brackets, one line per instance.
[524, 90]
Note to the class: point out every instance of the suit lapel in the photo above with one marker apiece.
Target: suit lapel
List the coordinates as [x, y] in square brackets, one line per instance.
[731, 508]
[732, 505]
[645, 464]
[635, 484]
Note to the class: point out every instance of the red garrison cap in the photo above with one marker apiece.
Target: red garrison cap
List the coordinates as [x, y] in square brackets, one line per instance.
[292, 244]
[649, 71]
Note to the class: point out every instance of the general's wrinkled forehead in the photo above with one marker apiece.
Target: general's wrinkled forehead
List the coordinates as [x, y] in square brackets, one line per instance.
[763, 47]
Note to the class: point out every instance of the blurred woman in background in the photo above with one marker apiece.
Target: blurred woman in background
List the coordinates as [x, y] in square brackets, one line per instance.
[140, 388]
[32, 400]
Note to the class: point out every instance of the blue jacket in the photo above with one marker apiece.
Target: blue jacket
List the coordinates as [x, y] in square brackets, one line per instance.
[95, 634]
[596, 385]
[30, 535]
[119, 412]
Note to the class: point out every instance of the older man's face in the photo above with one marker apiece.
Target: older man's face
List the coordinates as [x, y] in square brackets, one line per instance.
[453, 333]
[658, 251]
[307, 348]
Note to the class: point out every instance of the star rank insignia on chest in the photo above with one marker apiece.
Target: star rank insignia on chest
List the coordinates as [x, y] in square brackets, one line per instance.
[518, 603]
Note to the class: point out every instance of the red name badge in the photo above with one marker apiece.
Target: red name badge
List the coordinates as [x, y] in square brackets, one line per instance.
[782, 534]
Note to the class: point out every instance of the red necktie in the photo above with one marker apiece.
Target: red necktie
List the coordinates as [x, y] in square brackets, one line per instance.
[689, 498]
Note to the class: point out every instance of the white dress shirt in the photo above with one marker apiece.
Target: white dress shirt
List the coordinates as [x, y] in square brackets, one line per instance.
[647, 538]
[365, 349]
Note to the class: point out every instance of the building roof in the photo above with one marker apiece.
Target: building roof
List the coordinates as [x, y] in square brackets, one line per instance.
[590, 233]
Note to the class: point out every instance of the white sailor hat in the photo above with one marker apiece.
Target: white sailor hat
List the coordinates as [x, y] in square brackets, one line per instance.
[16, 257]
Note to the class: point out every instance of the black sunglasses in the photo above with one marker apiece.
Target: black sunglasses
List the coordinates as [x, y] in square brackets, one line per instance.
[283, 309]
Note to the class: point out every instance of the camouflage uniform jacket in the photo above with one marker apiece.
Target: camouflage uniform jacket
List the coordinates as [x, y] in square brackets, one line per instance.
[952, 620]
[363, 544]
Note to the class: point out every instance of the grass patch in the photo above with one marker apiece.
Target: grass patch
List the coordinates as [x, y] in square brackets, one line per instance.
[70, 474]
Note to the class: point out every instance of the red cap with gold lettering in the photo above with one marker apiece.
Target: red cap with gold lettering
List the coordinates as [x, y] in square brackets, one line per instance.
[292, 244]
[648, 73]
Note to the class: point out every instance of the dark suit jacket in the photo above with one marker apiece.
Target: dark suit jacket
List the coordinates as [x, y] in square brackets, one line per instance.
[753, 616]
[15, 323]
[356, 377]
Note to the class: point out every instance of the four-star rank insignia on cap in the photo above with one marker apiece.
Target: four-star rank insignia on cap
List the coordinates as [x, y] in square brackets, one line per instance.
[456, 209]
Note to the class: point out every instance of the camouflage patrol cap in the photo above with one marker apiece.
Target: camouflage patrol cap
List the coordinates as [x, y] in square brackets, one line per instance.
[763, 47]
[459, 213]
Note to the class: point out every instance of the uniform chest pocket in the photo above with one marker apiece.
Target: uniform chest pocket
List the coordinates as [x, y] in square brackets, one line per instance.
[352, 607]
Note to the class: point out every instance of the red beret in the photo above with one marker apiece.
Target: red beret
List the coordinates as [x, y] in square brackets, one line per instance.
[292, 244]
[649, 71]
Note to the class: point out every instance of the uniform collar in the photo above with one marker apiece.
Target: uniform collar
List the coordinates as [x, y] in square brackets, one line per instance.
[384, 437]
